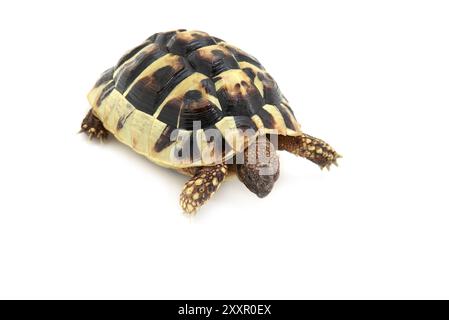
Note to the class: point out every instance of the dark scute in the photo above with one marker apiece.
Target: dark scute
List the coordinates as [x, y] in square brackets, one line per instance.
[163, 38]
[240, 105]
[205, 117]
[170, 113]
[261, 76]
[217, 40]
[170, 82]
[192, 95]
[105, 77]
[106, 91]
[152, 38]
[182, 47]
[272, 95]
[242, 57]
[145, 93]
[287, 119]
[140, 62]
[250, 73]
[199, 110]
[287, 106]
[148, 93]
[267, 119]
[164, 74]
[218, 54]
[130, 54]
[243, 122]
[212, 66]
[164, 140]
[271, 92]
[209, 87]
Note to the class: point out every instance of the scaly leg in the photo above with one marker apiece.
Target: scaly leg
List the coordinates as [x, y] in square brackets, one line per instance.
[311, 148]
[202, 186]
[93, 127]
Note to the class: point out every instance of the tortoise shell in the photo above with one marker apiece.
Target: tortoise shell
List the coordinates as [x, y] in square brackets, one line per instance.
[168, 92]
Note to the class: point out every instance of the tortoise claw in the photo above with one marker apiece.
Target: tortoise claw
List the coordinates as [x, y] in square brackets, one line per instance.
[93, 127]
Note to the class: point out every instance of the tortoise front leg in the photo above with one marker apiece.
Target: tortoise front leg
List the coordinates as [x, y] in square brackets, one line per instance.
[311, 148]
[93, 127]
[202, 186]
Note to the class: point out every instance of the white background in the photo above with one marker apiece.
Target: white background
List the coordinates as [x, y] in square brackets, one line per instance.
[83, 220]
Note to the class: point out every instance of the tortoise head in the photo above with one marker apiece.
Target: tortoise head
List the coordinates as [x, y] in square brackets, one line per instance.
[260, 168]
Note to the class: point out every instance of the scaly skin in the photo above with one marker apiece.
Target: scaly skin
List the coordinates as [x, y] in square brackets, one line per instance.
[201, 187]
[311, 148]
[260, 170]
[93, 127]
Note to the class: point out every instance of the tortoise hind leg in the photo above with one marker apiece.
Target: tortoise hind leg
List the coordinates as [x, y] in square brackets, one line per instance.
[313, 149]
[201, 187]
[93, 127]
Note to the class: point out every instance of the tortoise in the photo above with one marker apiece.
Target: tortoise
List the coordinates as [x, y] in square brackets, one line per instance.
[197, 104]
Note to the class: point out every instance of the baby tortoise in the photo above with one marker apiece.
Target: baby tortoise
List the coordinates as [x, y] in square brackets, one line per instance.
[194, 103]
